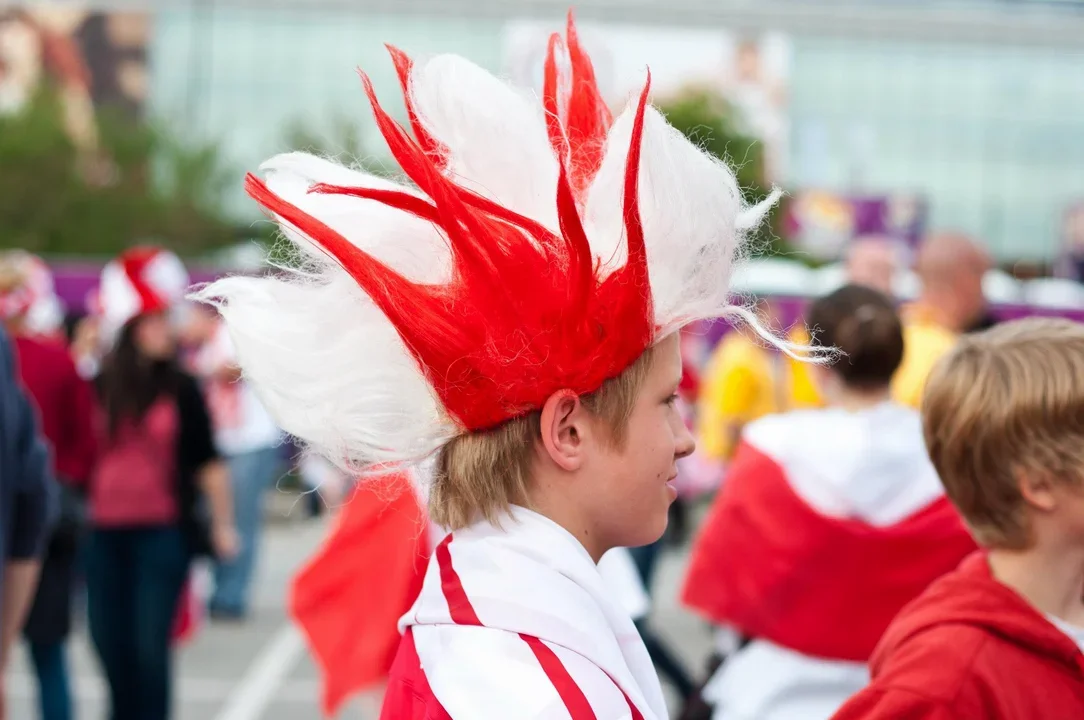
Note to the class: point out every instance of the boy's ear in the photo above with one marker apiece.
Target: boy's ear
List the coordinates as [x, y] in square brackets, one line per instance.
[1037, 489]
[563, 429]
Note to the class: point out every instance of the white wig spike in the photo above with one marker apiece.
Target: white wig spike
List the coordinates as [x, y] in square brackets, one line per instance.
[410, 245]
[329, 367]
[324, 360]
[495, 135]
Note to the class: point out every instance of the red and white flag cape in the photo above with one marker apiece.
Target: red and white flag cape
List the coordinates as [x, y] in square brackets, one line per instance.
[827, 524]
[518, 622]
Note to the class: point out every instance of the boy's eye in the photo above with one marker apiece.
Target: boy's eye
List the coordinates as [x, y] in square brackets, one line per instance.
[672, 399]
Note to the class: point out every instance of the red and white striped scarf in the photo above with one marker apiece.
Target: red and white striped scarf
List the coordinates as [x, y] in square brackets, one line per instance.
[517, 622]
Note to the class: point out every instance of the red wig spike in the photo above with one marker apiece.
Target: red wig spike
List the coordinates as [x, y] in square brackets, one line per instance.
[392, 198]
[581, 270]
[588, 118]
[551, 100]
[432, 146]
[577, 118]
[416, 166]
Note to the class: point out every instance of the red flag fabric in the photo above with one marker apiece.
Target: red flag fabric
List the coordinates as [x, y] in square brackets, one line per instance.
[349, 597]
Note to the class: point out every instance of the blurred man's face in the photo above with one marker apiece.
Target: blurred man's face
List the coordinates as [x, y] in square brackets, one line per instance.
[873, 265]
[952, 267]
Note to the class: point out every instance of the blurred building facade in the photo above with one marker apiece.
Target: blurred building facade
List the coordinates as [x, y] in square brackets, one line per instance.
[978, 107]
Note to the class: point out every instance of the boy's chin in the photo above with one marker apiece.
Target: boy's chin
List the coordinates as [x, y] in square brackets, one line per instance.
[651, 529]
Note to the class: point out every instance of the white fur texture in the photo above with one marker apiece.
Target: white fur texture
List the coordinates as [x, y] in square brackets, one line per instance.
[329, 366]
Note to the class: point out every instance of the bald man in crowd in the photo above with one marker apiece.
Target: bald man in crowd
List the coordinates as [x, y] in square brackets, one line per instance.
[950, 266]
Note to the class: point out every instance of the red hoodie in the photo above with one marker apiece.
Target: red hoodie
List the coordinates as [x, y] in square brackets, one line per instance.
[65, 404]
[970, 647]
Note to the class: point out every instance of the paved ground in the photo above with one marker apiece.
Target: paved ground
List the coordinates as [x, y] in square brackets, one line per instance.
[261, 671]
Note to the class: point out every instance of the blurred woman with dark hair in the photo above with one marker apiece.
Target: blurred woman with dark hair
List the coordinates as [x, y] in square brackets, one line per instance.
[157, 466]
[828, 522]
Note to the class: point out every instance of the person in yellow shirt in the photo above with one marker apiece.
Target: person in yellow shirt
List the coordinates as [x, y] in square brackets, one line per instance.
[739, 385]
[951, 267]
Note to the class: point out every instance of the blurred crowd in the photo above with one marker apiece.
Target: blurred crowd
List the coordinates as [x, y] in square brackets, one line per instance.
[744, 380]
[857, 419]
[895, 534]
[134, 423]
[155, 454]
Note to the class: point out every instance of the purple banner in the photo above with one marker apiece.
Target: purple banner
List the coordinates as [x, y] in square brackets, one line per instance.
[789, 311]
[823, 223]
[75, 280]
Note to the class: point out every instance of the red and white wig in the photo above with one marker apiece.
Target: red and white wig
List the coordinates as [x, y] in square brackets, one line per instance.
[538, 246]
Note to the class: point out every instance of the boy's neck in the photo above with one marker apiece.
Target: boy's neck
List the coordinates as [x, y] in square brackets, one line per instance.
[572, 521]
[1052, 581]
[594, 545]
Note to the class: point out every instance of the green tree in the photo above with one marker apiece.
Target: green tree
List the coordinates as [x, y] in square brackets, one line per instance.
[142, 185]
[706, 118]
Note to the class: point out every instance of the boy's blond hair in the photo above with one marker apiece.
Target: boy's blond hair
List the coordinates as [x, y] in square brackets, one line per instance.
[481, 475]
[1006, 403]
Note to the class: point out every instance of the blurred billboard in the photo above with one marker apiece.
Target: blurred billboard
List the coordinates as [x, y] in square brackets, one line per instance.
[821, 223]
[750, 71]
[90, 58]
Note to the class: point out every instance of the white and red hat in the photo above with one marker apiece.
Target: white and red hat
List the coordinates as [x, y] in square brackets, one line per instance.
[542, 245]
[141, 280]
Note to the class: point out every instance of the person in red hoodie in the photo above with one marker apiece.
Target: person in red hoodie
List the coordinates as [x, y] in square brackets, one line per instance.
[1001, 637]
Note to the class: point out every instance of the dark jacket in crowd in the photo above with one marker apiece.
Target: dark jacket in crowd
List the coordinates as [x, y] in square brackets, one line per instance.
[27, 491]
[66, 410]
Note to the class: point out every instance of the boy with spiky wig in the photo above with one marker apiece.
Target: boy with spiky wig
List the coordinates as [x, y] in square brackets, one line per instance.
[515, 315]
